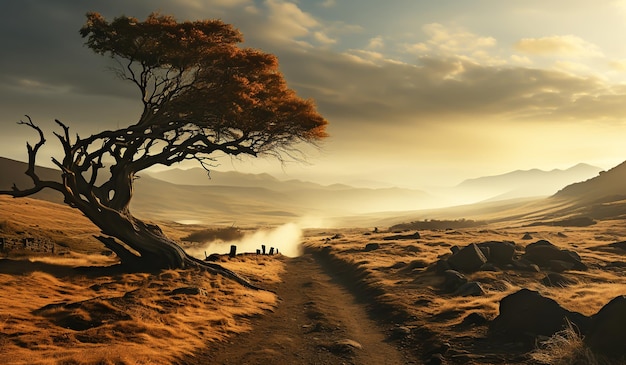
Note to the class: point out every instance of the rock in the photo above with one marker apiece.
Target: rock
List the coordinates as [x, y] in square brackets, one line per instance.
[345, 346]
[554, 279]
[527, 236]
[412, 236]
[453, 280]
[542, 254]
[500, 252]
[400, 332]
[608, 329]
[371, 247]
[525, 265]
[398, 265]
[488, 266]
[621, 245]
[471, 289]
[527, 314]
[441, 266]
[189, 290]
[474, 319]
[467, 259]
[415, 264]
[436, 359]
[560, 265]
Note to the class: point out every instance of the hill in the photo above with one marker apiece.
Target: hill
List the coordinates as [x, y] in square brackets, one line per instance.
[525, 183]
[607, 186]
[13, 172]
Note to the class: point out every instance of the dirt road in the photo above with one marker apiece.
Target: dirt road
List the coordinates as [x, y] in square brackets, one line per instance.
[317, 321]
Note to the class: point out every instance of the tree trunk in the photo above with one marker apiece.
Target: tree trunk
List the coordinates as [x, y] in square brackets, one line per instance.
[144, 247]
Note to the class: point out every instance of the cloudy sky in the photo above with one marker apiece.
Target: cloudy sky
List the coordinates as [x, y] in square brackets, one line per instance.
[417, 92]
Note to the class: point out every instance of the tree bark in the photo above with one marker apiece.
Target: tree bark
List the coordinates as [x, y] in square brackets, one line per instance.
[146, 248]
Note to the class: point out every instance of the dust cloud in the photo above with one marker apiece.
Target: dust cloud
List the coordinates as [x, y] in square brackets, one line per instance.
[286, 239]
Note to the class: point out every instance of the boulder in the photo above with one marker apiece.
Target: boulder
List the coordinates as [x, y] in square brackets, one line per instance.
[471, 289]
[526, 314]
[608, 329]
[453, 280]
[527, 236]
[371, 247]
[468, 259]
[411, 236]
[543, 252]
[499, 252]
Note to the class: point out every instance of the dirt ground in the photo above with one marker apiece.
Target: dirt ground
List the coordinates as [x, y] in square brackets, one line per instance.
[317, 321]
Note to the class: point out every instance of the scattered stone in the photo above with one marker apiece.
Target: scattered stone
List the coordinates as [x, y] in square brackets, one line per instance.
[371, 247]
[499, 252]
[471, 289]
[400, 332]
[561, 234]
[415, 264]
[412, 236]
[189, 290]
[436, 359]
[560, 265]
[468, 259]
[608, 330]
[527, 236]
[412, 248]
[474, 319]
[441, 266]
[543, 252]
[556, 280]
[621, 245]
[344, 347]
[453, 280]
[488, 266]
[527, 314]
[398, 265]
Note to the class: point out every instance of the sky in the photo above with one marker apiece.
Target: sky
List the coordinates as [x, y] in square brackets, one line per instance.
[417, 93]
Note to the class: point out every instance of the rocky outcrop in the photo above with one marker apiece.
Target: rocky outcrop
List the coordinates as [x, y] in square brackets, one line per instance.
[546, 255]
[608, 329]
[526, 314]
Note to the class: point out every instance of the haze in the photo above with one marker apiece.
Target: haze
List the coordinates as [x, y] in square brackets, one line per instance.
[418, 93]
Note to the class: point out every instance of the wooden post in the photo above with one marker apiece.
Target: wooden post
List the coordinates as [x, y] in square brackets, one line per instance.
[263, 249]
[233, 251]
[258, 251]
[271, 251]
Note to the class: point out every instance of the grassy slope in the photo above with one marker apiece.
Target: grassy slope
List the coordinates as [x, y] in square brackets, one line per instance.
[114, 318]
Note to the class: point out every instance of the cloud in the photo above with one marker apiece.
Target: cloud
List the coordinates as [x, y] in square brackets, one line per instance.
[452, 41]
[375, 43]
[328, 3]
[565, 45]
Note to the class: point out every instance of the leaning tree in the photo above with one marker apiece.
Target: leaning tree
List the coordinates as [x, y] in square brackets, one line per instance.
[202, 95]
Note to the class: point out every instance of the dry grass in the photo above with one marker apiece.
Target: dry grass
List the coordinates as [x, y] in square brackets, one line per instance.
[566, 347]
[53, 313]
[403, 268]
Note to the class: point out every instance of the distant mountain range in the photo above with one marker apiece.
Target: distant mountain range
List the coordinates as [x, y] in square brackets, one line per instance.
[227, 197]
[525, 183]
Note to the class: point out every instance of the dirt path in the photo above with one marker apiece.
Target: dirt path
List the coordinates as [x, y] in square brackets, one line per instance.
[317, 322]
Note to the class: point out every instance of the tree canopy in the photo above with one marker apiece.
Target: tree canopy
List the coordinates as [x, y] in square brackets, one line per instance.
[202, 94]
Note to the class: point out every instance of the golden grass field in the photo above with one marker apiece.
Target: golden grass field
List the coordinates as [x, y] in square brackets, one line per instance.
[54, 314]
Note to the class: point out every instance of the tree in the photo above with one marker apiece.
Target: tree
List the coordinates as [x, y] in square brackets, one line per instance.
[202, 95]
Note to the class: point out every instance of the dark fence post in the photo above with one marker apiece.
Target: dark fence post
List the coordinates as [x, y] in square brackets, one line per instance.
[263, 249]
[233, 251]
[271, 251]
